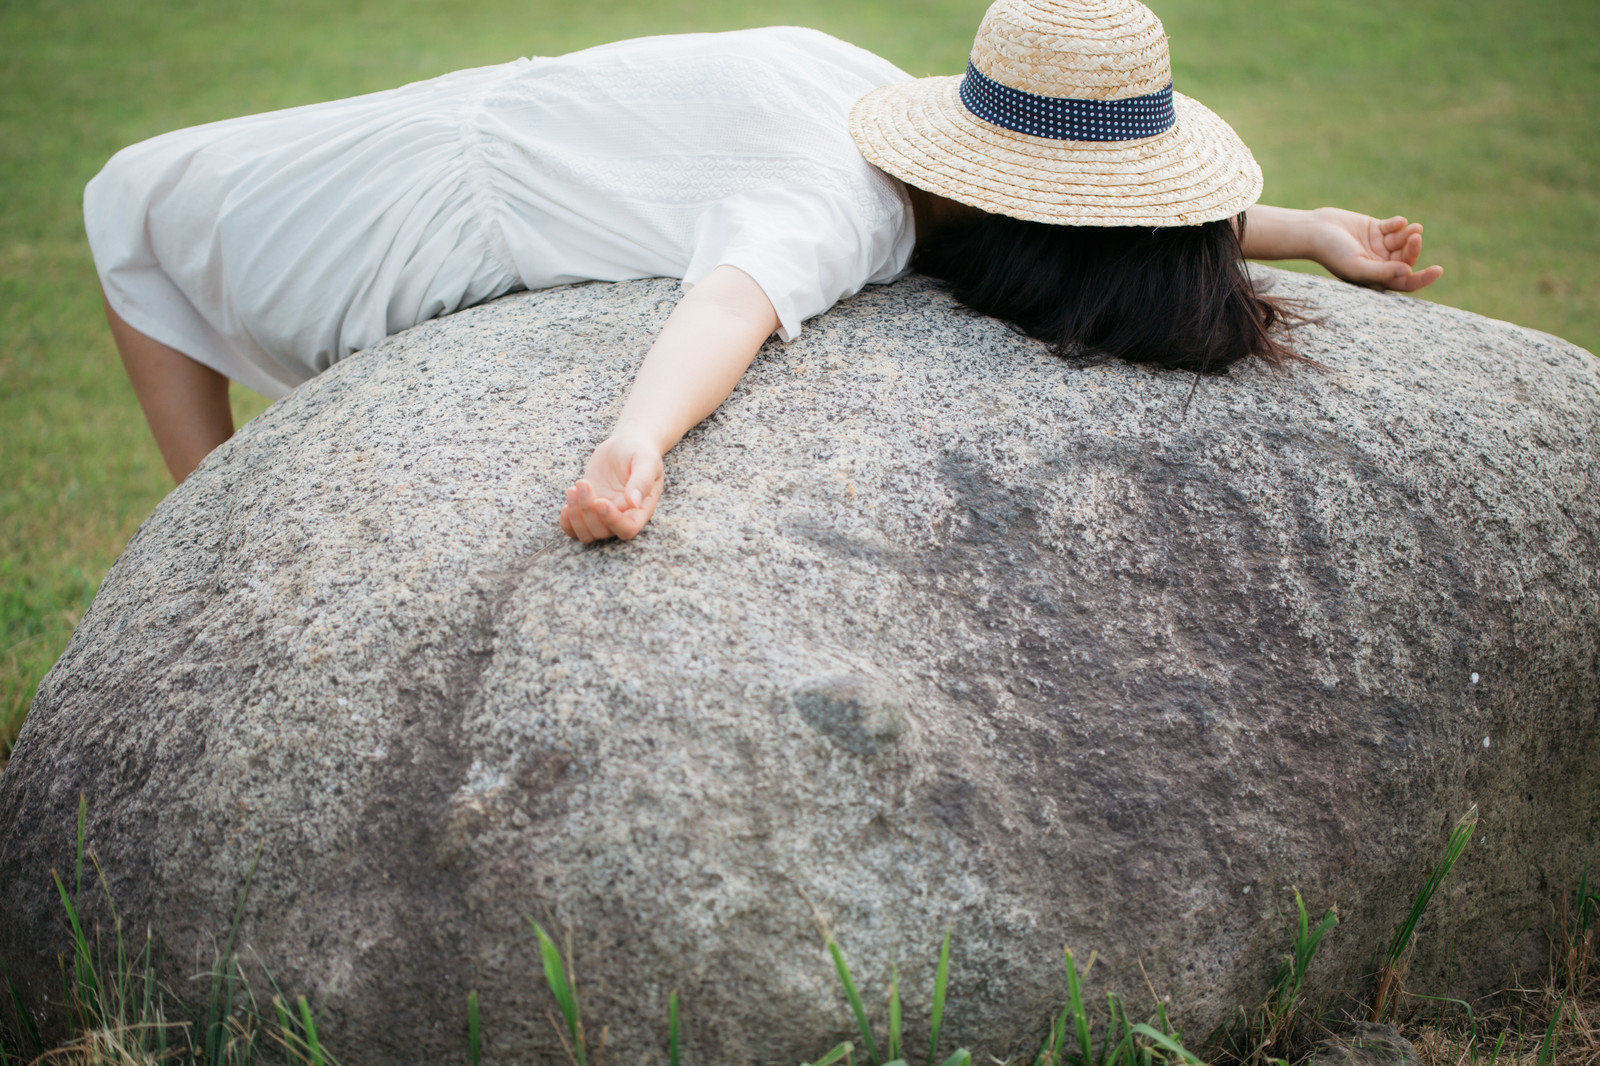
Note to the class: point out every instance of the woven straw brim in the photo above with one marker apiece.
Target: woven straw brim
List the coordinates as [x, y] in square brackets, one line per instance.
[920, 132]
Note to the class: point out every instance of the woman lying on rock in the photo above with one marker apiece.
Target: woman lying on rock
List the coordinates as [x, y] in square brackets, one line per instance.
[1060, 184]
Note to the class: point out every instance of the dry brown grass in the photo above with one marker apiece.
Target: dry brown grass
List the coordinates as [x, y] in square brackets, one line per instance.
[121, 1045]
[1518, 1020]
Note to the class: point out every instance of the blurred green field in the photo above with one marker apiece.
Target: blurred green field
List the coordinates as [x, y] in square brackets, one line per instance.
[1477, 118]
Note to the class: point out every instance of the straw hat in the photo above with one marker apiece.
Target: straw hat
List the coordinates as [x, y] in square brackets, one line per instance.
[1066, 115]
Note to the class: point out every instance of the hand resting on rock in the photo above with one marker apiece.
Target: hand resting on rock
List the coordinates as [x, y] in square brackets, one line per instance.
[716, 329]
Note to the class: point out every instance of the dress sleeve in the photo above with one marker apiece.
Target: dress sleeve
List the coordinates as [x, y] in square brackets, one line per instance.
[806, 248]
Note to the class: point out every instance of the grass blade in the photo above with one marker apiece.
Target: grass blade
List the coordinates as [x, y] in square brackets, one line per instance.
[1472, 1019]
[147, 999]
[672, 1029]
[253, 1015]
[833, 1056]
[1389, 971]
[1050, 1053]
[88, 987]
[83, 818]
[555, 975]
[1453, 850]
[1125, 1049]
[854, 997]
[1498, 1044]
[894, 1013]
[474, 1035]
[1547, 1050]
[1080, 1018]
[1109, 1051]
[221, 1009]
[1306, 942]
[1168, 1044]
[161, 1029]
[941, 980]
[313, 1046]
[284, 1024]
[27, 1019]
[960, 1058]
[1588, 907]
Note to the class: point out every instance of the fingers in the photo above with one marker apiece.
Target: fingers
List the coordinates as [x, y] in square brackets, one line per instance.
[1365, 270]
[588, 517]
[1396, 249]
[1411, 249]
[1395, 238]
[1412, 280]
[579, 514]
[1386, 274]
[579, 527]
[624, 525]
[639, 482]
[1391, 274]
[1400, 236]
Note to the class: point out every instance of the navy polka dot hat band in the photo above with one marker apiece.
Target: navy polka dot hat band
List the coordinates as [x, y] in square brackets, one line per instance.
[1066, 115]
[1064, 118]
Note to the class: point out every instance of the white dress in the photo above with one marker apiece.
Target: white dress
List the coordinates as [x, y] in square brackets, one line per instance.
[271, 246]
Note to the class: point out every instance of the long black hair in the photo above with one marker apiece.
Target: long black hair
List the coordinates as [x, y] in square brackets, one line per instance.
[1176, 296]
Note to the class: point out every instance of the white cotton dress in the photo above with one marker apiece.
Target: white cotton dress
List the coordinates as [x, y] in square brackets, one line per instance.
[270, 247]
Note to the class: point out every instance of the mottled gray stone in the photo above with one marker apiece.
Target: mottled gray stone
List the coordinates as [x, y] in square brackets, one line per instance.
[932, 629]
[852, 711]
[1366, 1044]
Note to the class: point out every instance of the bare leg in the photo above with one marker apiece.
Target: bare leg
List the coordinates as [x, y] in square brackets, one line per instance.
[185, 402]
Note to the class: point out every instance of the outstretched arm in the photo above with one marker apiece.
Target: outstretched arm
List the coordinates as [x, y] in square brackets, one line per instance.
[1352, 246]
[703, 350]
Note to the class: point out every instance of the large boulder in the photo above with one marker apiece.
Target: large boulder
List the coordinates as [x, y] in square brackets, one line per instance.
[932, 629]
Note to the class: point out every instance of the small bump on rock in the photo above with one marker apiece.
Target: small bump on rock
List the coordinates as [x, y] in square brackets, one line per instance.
[1366, 1044]
[852, 712]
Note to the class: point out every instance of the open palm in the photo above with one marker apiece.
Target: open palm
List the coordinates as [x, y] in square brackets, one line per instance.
[1368, 251]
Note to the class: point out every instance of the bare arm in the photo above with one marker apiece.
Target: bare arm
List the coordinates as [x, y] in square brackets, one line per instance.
[1352, 246]
[702, 352]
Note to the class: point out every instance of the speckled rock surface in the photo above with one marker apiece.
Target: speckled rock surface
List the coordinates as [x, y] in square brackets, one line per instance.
[1366, 1044]
[931, 628]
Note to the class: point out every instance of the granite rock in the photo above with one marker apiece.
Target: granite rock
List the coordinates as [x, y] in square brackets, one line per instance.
[932, 630]
[1366, 1044]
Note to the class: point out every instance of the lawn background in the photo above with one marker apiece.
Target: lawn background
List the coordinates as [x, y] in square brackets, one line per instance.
[1477, 118]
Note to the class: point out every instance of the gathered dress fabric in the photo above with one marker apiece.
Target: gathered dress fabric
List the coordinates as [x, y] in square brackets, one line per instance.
[271, 246]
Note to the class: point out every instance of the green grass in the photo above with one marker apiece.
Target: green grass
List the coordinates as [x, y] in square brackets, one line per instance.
[1475, 117]
[1121, 1042]
[1391, 968]
[858, 1009]
[558, 976]
[123, 1016]
[1266, 1035]
[475, 1031]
